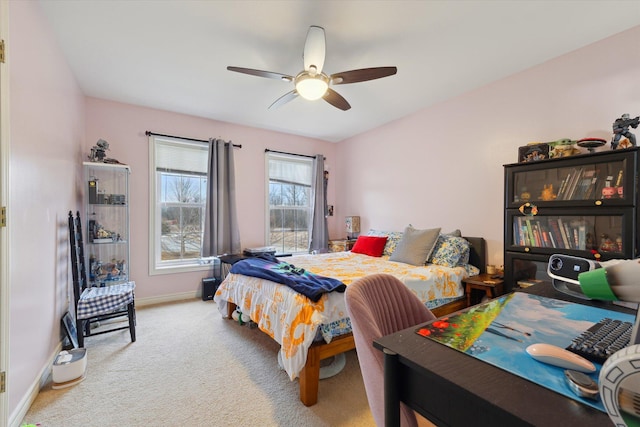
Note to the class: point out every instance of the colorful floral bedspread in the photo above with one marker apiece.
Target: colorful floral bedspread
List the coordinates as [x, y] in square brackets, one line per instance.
[292, 320]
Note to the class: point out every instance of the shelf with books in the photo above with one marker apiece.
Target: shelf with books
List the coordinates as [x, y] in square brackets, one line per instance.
[571, 231]
[585, 205]
[588, 178]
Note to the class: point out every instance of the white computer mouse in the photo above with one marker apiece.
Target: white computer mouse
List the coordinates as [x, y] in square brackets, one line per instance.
[560, 357]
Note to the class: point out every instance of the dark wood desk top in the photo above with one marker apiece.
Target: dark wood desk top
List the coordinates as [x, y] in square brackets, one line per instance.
[462, 390]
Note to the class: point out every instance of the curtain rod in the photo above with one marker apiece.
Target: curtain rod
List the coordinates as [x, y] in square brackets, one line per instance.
[188, 139]
[266, 150]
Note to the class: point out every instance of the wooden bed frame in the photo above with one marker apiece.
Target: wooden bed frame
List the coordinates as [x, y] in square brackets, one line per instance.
[309, 377]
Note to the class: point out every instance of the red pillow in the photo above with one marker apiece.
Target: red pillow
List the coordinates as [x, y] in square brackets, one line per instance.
[370, 245]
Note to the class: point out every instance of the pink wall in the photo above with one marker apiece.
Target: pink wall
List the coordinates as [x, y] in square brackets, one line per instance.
[124, 126]
[439, 167]
[47, 130]
[442, 166]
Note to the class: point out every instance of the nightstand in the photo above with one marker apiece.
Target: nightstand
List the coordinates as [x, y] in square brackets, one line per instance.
[483, 282]
[341, 245]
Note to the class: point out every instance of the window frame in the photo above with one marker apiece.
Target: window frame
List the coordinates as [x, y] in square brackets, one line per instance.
[294, 159]
[156, 265]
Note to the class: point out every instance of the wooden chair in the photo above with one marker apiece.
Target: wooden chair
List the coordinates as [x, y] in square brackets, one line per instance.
[95, 305]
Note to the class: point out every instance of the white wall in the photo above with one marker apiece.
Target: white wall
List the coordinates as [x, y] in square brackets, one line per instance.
[47, 131]
[442, 166]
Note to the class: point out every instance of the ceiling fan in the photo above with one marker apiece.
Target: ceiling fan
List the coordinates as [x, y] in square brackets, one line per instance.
[312, 83]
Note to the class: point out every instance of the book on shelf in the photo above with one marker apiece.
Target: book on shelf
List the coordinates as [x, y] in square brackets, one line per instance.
[532, 239]
[576, 239]
[592, 185]
[579, 184]
[574, 184]
[563, 187]
[563, 233]
[586, 181]
[524, 237]
[582, 237]
[537, 236]
[553, 223]
[567, 184]
[546, 231]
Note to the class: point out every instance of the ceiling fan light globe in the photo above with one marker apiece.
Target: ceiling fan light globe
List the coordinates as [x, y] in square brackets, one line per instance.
[312, 87]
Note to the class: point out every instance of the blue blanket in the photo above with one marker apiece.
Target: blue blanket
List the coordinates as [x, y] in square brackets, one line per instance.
[304, 282]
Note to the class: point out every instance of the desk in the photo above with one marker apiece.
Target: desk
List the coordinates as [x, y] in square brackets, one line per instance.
[451, 388]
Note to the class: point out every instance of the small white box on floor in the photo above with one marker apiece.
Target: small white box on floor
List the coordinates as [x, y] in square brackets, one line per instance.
[69, 367]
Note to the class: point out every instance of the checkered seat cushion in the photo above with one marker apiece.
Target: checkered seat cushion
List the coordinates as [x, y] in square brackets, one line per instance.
[96, 301]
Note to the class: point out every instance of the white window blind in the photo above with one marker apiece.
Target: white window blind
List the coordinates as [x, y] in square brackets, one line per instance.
[181, 156]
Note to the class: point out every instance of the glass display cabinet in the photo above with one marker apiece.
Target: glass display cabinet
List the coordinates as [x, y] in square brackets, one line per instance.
[107, 223]
[584, 205]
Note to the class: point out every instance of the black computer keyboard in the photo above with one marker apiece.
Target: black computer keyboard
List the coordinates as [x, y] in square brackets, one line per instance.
[602, 340]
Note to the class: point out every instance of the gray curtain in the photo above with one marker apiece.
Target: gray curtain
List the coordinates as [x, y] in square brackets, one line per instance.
[319, 231]
[221, 232]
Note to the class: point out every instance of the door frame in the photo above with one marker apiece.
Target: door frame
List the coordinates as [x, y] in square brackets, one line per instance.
[4, 194]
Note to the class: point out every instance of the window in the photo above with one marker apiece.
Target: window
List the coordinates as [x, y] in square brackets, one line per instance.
[289, 200]
[177, 203]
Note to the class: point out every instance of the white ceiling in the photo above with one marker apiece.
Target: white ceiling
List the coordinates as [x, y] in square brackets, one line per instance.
[172, 55]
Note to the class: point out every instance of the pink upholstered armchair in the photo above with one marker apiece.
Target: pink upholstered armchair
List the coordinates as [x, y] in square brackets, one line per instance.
[379, 305]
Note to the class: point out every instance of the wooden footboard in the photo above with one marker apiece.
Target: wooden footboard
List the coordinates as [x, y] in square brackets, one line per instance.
[309, 377]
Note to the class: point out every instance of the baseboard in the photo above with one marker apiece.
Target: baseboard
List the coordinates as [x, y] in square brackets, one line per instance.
[161, 299]
[23, 406]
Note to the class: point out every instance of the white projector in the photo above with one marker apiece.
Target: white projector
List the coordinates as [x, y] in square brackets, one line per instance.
[69, 367]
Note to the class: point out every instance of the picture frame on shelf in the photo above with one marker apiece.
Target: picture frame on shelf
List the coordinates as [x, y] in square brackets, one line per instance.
[533, 152]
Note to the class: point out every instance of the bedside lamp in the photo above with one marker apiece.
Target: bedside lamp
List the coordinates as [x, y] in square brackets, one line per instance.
[353, 226]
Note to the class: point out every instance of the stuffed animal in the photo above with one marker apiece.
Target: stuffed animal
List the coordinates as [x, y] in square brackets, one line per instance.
[239, 317]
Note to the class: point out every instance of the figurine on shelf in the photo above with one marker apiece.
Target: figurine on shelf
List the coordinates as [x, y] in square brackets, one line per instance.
[619, 243]
[619, 187]
[98, 151]
[606, 244]
[525, 196]
[608, 191]
[547, 193]
[99, 155]
[562, 148]
[589, 241]
[621, 128]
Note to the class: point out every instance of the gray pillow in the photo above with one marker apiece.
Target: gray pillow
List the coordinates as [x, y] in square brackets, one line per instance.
[415, 246]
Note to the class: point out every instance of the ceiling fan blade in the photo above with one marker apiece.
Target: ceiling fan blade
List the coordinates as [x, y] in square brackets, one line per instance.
[289, 96]
[362, 75]
[260, 73]
[314, 49]
[335, 99]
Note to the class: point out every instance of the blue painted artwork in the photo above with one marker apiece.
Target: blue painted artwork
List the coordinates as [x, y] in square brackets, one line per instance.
[499, 331]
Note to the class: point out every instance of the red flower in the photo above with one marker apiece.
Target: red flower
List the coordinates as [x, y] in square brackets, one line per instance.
[441, 324]
[424, 332]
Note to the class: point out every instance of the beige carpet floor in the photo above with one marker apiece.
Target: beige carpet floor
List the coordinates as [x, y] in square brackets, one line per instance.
[191, 367]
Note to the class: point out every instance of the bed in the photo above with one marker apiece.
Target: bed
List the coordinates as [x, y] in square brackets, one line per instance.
[309, 331]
